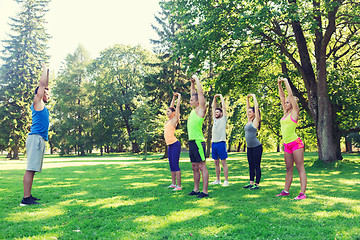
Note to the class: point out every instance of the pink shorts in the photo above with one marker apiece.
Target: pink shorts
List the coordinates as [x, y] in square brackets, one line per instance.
[292, 146]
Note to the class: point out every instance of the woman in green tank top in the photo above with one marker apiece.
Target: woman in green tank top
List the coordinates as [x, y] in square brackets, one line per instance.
[293, 146]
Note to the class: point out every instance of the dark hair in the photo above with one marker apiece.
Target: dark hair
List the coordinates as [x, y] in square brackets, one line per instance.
[253, 108]
[218, 109]
[37, 88]
[172, 109]
[196, 95]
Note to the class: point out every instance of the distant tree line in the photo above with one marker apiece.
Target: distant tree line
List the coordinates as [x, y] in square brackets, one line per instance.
[117, 102]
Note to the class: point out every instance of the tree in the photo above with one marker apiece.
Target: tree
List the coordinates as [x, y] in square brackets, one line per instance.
[117, 77]
[170, 76]
[23, 54]
[72, 112]
[303, 38]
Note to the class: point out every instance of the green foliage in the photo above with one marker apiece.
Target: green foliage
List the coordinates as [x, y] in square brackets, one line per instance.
[245, 45]
[123, 197]
[72, 113]
[23, 54]
[117, 79]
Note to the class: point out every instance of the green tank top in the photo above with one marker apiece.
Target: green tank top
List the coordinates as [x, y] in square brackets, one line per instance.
[288, 126]
[194, 126]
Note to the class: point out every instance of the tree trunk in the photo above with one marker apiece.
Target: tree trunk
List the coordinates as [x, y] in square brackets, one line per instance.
[16, 153]
[166, 153]
[9, 154]
[209, 133]
[135, 147]
[317, 91]
[337, 141]
[325, 121]
[348, 144]
[239, 147]
[101, 150]
[51, 147]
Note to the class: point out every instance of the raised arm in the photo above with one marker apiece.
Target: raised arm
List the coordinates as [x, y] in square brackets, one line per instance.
[43, 85]
[173, 100]
[213, 105]
[177, 109]
[281, 92]
[223, 106]
[295, 106]
[247, 101]
[202, 102]
[257, 119]
[192, 88]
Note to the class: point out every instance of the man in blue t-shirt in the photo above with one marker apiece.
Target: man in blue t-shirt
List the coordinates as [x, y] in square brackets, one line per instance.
[35, 142]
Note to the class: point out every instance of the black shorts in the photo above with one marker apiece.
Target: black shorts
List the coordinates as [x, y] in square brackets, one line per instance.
[194, 151]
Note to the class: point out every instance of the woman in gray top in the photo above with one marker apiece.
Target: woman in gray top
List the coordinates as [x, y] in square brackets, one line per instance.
[254, 147]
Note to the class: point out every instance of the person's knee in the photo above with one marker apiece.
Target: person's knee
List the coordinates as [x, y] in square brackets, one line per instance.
[217, 162]
[202, 166]
[301, 169]
[195, 167]
[224, 163]
[289, 168]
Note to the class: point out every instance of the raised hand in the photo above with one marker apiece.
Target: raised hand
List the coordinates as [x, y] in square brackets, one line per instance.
[194, 78]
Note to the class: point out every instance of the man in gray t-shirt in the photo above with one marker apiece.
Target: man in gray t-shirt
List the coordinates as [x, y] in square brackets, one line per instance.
[218, 140]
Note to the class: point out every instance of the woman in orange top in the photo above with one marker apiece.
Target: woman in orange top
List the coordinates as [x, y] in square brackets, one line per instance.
[174, 145]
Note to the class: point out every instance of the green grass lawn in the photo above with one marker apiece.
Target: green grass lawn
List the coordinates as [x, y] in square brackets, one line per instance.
[124, 197]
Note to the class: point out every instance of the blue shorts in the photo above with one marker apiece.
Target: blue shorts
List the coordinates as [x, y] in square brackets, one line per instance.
[219, 151]
[174, 156]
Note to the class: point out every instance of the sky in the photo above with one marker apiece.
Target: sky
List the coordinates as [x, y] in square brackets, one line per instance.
[94, 24]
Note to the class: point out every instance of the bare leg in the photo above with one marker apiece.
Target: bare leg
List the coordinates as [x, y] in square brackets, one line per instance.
[226, 169]
[173, 178]
[299, 162]
[217, 169]
[205, 176]
[28, 181]
[178, 178]
[196, 171]
[289, 161]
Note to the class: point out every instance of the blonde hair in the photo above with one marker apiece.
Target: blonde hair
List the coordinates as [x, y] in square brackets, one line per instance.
[295, 97]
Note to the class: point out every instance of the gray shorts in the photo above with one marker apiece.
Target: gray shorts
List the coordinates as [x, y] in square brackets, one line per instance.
[35, 149]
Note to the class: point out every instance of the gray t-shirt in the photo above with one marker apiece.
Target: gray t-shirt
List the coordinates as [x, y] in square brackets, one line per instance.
[250, 136]
[219, 129]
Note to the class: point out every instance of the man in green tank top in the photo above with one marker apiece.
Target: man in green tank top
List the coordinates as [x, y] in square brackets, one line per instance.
[196, 138]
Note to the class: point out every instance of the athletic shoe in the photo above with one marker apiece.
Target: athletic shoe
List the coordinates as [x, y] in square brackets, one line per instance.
[28, 201]
[36, 199]
[215, 182]
[177, 188]
[300, 197]
[171, 186]
[254, 187]
[248, 186]
[193, 193]
[283, 193]
[226, 183]
[202, 195]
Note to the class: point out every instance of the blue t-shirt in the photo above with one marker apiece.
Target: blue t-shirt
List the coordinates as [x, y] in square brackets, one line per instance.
[40, 122]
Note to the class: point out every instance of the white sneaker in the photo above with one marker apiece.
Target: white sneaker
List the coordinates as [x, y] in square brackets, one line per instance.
[215, 182]
[226, 183]
[171, 186]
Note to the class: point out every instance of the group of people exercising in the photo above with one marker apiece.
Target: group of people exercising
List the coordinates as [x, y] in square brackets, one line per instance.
[293, 146]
